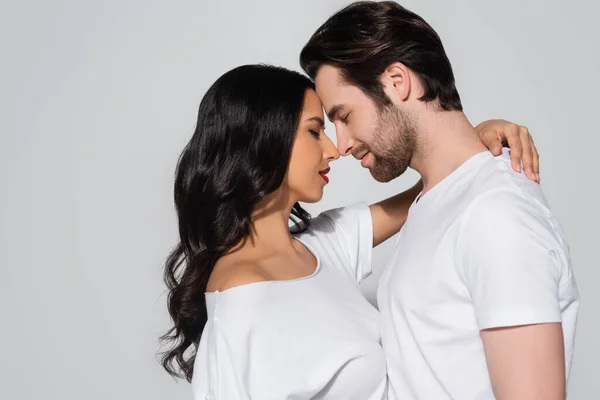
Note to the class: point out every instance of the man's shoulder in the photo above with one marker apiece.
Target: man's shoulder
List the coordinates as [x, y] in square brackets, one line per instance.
[508, 207]
[496, 184]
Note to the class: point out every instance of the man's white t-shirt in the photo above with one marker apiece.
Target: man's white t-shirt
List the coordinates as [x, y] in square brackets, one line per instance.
[480, 250]
[310, 338]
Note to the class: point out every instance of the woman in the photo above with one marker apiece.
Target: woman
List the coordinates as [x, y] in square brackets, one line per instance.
[270, 314]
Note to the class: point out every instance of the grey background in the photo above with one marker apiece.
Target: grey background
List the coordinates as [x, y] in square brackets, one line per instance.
[99, 97]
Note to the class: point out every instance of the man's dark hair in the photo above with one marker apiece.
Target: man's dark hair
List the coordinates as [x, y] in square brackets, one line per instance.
[366, 37]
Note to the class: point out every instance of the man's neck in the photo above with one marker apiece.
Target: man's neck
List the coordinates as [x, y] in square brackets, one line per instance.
[445, 141]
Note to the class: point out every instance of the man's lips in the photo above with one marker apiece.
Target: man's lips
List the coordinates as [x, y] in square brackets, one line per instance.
[364, 159]
[360, 156]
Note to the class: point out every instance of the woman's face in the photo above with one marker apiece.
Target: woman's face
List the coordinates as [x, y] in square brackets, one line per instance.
[311, 153]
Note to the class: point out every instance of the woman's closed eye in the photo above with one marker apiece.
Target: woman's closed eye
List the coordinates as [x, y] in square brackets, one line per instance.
[315, 133]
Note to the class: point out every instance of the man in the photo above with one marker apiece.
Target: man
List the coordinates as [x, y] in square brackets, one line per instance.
[479, 300]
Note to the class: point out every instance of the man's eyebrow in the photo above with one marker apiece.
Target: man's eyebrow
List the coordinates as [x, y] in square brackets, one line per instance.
[332, 114]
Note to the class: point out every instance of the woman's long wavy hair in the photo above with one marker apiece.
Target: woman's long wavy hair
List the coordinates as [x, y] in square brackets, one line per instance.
[238, 155]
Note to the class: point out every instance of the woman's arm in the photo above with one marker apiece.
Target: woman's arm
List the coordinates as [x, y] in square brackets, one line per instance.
[389, 215]
[497, 132]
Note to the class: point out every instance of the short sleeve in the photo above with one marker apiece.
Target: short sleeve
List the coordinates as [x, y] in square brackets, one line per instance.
[227, 365]
[353, 233]
[509, 256]
[214, 373]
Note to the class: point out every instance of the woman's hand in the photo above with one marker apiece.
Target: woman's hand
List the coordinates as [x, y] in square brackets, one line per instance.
[498, 132]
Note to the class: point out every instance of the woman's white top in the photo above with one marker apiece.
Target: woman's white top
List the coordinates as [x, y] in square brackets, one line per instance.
[315, 337]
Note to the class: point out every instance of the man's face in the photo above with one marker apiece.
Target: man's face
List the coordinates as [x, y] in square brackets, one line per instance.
[383, 139]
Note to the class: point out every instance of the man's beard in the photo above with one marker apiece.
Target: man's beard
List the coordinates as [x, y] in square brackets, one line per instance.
[394, 143]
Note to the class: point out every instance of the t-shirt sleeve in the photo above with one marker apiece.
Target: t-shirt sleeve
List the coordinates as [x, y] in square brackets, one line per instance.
[219, 371]
[353, 235]
[511, 260]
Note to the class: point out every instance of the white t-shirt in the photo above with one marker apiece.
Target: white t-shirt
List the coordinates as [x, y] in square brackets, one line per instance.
[311, 338]
[480, 250]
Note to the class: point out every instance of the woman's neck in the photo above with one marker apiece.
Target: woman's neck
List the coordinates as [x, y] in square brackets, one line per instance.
[270, 230]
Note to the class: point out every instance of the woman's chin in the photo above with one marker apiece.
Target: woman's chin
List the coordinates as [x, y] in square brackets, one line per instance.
[312, 197]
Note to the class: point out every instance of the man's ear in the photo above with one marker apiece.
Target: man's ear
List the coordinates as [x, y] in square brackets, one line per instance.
[396, 81]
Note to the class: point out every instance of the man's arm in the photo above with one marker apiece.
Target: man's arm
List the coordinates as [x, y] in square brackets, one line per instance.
[512, 263]
[526, 362]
